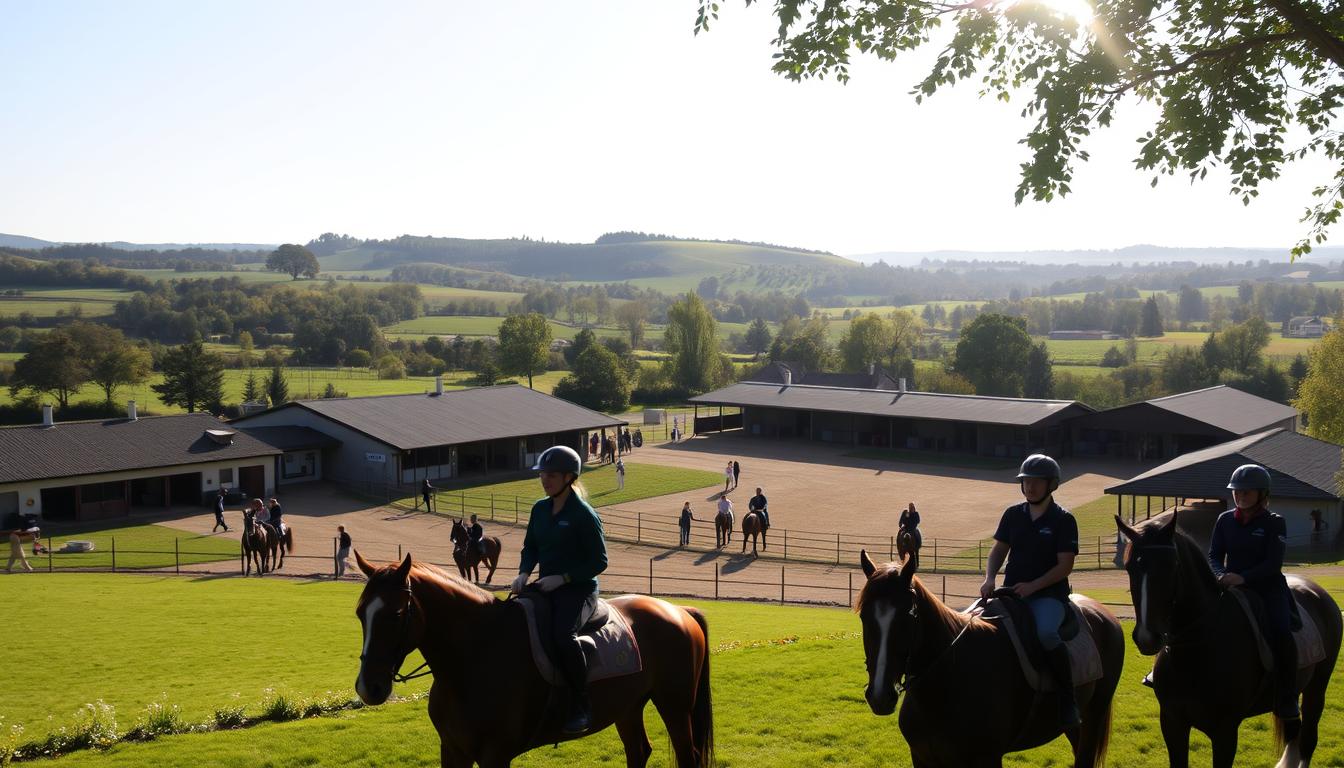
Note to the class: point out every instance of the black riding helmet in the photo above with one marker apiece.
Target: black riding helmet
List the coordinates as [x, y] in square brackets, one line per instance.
[1250, 477]
[1040, 465]
[560, 458]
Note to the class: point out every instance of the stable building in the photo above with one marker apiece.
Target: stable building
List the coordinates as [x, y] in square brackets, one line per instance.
[1302, 470]
[401, 440]
[90, 470]
[901, 419]
[1166, 427]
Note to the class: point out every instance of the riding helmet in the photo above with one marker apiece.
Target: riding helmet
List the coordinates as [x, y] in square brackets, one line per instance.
[1039, 465]
[1249, 477]
[559, 458]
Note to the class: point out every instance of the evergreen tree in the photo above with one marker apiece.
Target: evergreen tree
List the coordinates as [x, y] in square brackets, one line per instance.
[277, 388]
[1150, 324]
[758, 336]
[251, 388]
[192, 378]
[1039, 381]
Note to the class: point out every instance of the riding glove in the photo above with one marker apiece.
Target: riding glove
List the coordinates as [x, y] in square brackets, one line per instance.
[519, 582]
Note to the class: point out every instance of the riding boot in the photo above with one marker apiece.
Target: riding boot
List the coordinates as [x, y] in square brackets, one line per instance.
[1285, 679]
[1061, 670]
[574, 667]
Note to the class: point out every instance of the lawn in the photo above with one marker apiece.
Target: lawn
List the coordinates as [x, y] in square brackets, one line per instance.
[642, 481]
[137, 546]
[787, 683]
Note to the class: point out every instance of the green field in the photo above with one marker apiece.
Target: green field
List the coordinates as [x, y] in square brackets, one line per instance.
[46, 302]
[1152, 351]
[642, 481]
[787, 682]
[447, 326]
[136, 546]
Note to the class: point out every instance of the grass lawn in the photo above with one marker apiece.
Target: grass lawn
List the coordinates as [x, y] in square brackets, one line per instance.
[1154, 350]
[787, 684]
[642, 481]
[138, 546]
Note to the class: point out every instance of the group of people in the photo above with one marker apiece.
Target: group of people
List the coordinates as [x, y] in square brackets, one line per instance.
[731, 473]
[271, 515]
[758, 504]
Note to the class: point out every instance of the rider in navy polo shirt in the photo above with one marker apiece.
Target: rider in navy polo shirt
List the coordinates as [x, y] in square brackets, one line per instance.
[1040, 540]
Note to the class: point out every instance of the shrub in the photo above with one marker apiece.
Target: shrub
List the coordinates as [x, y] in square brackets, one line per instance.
[228, 717]
[279, 708]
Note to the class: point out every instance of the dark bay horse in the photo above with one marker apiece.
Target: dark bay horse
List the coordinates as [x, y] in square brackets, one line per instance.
[753, 525]
[256, 544]
[468, 558]
[498, 706]
[280, 545]
[1208, 673]
[967, 703]
[723, 529]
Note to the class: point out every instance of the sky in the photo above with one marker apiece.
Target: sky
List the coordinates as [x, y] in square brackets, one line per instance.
[268, 122]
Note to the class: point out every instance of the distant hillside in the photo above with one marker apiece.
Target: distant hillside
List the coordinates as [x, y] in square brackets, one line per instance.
[23, 241]
[20, 241]
[1142, 254]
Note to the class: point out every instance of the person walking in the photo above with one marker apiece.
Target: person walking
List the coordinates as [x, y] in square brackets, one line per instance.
[426, 493]
[728, 478]
[342, 550]
[219, 512]
[16, 553]
[737, 472]
[684, 523]
[620, 475]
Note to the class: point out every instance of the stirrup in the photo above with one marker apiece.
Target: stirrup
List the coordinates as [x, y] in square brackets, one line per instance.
[1148, 679]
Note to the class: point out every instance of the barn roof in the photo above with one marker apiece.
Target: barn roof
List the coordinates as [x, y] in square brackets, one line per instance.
[912, 405]
[455, 417]
[292, 437]
[73, 448]
[1240, 413]
[1301, 467]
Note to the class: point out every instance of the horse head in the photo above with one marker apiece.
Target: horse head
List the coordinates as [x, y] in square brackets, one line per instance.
[249, 521]
[888, 610]
[392, 627]
[458, 536]
[1153, 561]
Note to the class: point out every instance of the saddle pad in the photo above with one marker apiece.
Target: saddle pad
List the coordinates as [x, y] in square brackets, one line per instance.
[1084, 658]
[1310, 648]
[611, 651]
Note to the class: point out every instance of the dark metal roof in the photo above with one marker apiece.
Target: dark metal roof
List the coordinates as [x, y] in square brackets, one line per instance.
[75, 448]
[1301, 467]
[911, 405]
[1240, 413]
[455, 417]
[774, 374]
[292, 438]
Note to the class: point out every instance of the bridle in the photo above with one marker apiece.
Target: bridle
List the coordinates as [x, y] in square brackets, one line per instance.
[908, 679]
[1173, 638]
[404, 631]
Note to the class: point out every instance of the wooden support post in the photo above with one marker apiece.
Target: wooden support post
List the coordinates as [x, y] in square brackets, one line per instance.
[335, 554]
[891, 547]
[980, 555]
[851, 587]
[1148, 515]
[639, 527]
[177, 557]
[716, 581]
[50, 565]
[837, 549]
[399, 557]
[944, 589]
[114, 554]
[650, 575]
[781, 585]
[935, 561]
[786, 543]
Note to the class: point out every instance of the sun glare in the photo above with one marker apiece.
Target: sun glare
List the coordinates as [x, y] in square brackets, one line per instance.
[1079, 11]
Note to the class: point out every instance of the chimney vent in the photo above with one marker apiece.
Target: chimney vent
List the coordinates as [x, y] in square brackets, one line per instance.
[438, 385]
[901, 384]
[130, 410]
[788, 376]
[872, 368]
[47, 421]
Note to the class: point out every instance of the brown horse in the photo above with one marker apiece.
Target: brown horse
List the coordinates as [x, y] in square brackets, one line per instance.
[1207, 674]
[723, 529]
[468, 558]
[256, 544]
[497, 707]
[967, 703]
[908, 541]
[280, 544]
[753, 525]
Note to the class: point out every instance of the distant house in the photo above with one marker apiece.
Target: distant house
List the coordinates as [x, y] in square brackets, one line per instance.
[1083, 336]
[1306, 327]
[797, 373]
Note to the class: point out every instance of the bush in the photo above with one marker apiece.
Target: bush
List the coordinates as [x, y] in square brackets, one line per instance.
[1114, 358]
[358, 358]
[228, 717]
[390, 367]
[279, 708]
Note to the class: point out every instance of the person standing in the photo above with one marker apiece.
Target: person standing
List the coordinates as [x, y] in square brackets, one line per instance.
[737, 472]
[262, 515]
[426, 492]
[565, 539]
[684, 523]
[620, 475]
[342, 550]
[16, 554]
[1039, 538]
[219, 512]
[728, 478]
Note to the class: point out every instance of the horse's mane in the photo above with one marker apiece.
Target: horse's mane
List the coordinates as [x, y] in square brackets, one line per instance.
[880, 581]
[432, 575]
[1194, 562]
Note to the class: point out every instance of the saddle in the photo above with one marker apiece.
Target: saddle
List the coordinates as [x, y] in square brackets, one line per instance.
[1306, 635]
[1017, 622]
[607, 641]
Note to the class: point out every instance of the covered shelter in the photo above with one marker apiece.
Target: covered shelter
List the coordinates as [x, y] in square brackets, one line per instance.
[901, 419]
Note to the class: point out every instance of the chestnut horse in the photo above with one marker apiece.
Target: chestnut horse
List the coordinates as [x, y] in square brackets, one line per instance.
[723, 529]
[1207, 673]
[753, 525]
[468, 558]
[256, 544]
[497, 707]
[967, 703]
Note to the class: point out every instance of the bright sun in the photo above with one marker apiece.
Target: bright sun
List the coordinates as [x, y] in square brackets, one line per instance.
[1077, 10]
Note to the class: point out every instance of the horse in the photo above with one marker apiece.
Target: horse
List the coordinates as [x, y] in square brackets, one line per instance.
[256, 544]
[967, 702]
[279, 545]
[753, 525]
[498, 706]
[468, 558]
[723, 529]
[1207, 674]
[908, 539]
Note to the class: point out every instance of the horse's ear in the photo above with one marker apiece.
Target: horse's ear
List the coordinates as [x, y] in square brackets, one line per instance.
[404, 570]
[1168, 529]
[364, 564]
[868, 568]
[910, 565]
[1129, 533]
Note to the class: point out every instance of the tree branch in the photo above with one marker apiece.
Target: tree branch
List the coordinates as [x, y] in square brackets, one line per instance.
[1322, 39]
[1194, 58]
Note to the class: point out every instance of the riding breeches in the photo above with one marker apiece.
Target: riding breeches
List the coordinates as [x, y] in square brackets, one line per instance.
[572, 606]
[1049, 614]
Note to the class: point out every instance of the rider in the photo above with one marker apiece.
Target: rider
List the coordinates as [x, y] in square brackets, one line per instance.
[564, 536]
[757, 504]
[909, 521]
[1042, 538]
[261, 515]
[1247, 550]
[476, 536]
[277, 514]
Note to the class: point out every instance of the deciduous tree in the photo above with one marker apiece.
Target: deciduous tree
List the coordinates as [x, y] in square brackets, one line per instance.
[294, 260]
[524, 345]
[992, 354]
[692, 338]
[1321, 394]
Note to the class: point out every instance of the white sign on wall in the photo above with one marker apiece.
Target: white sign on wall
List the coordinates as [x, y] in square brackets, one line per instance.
[379, 458]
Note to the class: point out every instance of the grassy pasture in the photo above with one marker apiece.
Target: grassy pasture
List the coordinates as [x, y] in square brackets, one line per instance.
[642, 481]
[138, 546]
[787, 683]
[1153, 350]
[447, 326]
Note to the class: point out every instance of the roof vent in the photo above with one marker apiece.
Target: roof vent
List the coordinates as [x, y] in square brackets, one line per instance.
[438, 385]
[788, 375]
[47, 421]
[220, 436]
[900, 384]
[130, 410]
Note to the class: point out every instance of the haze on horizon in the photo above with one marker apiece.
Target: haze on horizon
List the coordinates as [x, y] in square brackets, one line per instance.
[161, 122]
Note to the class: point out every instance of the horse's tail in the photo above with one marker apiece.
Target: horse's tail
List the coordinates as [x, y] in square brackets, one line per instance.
[289, 541]
[702, 714]
[1103, 740]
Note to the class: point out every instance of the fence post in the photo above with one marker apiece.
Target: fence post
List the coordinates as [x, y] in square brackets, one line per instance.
[335, 554]
[492, 506]
[786, 543]
[851, 587]
[114, 554]
[399, 558]
[49, 564]
[716, 581]
[177, 557]
[650, 575]
[781, 585]
[980, 555]
[944, 589]
[935, 560]
[639, 527]
[515, 510]
[1098, 553]
[891, 547]
[242, 560]
[462, 502]
[837, 549]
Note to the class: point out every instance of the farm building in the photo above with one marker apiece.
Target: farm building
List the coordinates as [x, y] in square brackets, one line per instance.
[988, 426]
[1166, 427]
[1302, 469]
[87, 470]
[1308, 327]
[403, 439]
